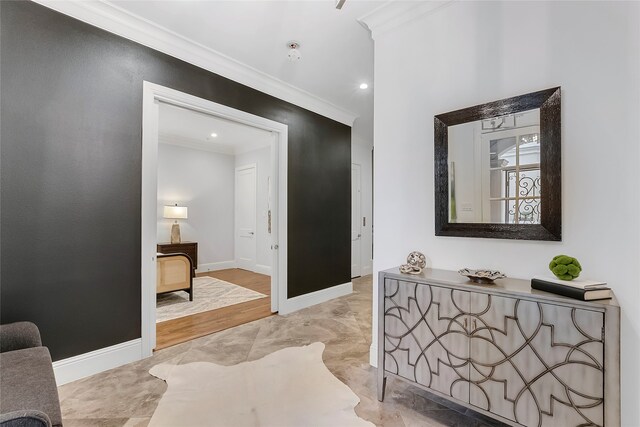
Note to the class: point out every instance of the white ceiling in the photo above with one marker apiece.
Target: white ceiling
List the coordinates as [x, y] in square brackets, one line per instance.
[337, 51]
[187, 128]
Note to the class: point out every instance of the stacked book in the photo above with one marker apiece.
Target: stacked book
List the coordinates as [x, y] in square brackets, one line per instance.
[586, 290]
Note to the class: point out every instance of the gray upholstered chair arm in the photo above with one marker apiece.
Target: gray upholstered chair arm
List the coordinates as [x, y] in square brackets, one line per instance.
[19, 335]
[25, 419]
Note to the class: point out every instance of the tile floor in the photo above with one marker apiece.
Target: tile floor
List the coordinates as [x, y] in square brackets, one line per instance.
[128, 396]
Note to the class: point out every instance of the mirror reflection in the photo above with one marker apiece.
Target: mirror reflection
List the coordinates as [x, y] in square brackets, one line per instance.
[494, 170]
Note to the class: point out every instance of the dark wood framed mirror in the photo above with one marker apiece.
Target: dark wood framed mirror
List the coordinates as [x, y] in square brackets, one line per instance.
[497, 169]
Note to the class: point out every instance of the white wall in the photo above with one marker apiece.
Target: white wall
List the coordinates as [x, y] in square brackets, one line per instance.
[361, 154]
[204, 182]
[468, 53]
[262, 159]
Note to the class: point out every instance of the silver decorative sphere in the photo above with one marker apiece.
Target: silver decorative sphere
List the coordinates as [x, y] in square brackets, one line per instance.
[417, 259]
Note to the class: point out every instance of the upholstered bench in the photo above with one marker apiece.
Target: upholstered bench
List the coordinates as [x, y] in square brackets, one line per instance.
[28, 391]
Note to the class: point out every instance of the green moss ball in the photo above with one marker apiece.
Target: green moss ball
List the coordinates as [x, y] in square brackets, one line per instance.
[565, 267]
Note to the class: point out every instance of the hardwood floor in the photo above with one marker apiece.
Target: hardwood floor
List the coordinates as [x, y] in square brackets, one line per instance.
[176, 331]
[248, 279]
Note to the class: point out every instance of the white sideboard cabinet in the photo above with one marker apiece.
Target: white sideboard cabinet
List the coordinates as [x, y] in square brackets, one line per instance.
[521, 356]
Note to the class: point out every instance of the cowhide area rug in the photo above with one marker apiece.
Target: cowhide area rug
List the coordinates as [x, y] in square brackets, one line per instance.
[291, 387]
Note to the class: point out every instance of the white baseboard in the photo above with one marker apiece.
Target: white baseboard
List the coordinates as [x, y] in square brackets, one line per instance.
[94, 362]
[84, 365]
[263, 269]
[215, 266]
[373, 356]
[224, 265]
[307, 300]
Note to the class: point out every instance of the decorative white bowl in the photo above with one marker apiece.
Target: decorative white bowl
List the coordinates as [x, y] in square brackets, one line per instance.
[482, 276]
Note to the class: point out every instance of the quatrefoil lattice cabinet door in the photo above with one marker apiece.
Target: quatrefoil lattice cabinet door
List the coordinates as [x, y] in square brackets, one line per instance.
[536, 363]
[426, 340]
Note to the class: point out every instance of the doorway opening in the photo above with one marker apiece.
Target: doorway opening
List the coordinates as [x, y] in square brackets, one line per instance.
[218, 175]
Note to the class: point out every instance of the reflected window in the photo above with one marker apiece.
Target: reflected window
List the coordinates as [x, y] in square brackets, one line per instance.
[516, 167]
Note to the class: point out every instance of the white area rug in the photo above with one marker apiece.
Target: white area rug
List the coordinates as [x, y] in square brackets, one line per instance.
[289, 388]
[208, 294]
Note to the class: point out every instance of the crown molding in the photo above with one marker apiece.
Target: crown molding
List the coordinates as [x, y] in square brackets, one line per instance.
[116, 20]
[393, 14]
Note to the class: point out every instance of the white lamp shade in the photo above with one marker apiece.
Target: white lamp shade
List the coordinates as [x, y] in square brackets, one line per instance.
[175, 212]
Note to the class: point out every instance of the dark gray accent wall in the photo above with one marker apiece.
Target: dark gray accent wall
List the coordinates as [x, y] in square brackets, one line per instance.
[70, 135]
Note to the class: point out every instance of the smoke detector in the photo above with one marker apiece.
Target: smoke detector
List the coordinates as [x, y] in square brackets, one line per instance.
[294, 54]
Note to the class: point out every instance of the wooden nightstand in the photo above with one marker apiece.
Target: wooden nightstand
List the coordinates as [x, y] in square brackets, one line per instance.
[189, 248]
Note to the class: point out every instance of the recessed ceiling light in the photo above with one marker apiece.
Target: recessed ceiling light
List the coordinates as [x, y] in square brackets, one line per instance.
[363, 86]
[214, 135]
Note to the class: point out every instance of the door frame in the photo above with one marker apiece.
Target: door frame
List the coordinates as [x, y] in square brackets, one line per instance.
[152, 95]
[357, 166]
[253, 166]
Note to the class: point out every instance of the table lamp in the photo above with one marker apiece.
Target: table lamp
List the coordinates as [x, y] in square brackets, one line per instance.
[175, 212]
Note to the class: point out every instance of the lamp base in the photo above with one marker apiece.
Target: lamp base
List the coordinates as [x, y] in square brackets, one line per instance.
[175, 233]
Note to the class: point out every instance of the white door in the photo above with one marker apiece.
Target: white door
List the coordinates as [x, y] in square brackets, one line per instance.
[245, 213]
[356, 221]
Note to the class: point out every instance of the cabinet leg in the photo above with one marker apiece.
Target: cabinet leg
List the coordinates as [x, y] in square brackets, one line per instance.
[382, 383]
